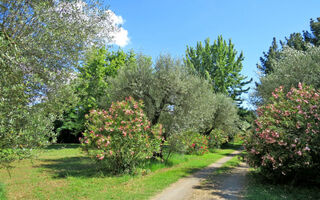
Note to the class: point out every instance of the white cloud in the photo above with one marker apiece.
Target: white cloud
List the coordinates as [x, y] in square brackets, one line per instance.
[120, 37]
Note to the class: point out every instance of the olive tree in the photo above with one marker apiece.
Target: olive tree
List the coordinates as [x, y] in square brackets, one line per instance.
[41, 44]
[173, 96]
[292, 66]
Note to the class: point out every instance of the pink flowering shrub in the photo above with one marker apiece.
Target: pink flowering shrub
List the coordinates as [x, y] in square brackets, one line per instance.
[121, 138]
[286, 144]
[197, 144]
[216, 138]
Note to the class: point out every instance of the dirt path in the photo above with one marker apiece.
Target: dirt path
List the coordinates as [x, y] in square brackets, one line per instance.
[203, 186]
[229, 185]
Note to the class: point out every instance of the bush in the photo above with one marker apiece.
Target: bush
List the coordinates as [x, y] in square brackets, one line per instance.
[198, 144]
[286, 142]
[121, 138]
[216, 138]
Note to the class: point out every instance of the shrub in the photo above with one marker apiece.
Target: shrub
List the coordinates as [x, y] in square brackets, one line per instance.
[286, 142]
[121, 138]
[216, 138]
[198, 144]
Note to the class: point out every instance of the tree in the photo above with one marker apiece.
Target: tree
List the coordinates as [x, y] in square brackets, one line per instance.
[314, 36]
[296, 41]
[265, 66]
[41, 43]
[91, 86]
[292, 67]
[173, 97]
[219, 64]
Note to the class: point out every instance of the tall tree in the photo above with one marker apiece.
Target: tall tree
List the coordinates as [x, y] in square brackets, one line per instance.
[296, 41]
[41, 44]
[220, 64]
[266, 66]
[314, 36]
[91, 86]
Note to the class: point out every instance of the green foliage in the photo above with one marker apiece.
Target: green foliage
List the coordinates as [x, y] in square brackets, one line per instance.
[266, 67]
[295, 41]
[175, 98]
[290, 68]
[40, 46]
[27, 113]
[197, 143]
[216, 138]
[314, 36]
[121, 138]
[285, 144]
[219, 64]
[91, 85]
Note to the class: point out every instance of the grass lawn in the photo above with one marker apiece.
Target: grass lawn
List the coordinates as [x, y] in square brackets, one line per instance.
[2, 193]
[63, 172]
[258, 189]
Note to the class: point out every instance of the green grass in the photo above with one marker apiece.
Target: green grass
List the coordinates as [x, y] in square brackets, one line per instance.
[258, 189]
[2, 192]
[63, 172]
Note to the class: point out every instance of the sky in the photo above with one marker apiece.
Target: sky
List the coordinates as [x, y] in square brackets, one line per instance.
[155, 27]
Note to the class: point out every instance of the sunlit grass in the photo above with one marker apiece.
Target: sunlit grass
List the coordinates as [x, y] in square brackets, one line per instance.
[2, 193]
[64, 172]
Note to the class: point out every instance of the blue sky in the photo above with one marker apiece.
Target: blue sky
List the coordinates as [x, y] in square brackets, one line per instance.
[168, 26]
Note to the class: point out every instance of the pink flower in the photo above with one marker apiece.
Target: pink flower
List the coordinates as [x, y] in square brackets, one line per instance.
[300, 86]
[110, 152]
[275, 95]
[307, 148]
[299, 153]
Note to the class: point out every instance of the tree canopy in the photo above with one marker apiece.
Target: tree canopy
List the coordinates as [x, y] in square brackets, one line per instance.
[220, 65]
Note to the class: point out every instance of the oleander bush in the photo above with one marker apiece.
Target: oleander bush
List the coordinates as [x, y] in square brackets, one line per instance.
[285, 144]
[121, 138]
[197, 143]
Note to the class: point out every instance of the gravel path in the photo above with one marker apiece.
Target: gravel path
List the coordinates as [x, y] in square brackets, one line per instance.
[222, 186]
[202, 185]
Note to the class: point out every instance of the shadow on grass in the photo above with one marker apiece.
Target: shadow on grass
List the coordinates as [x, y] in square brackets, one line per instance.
[86, 167]
[72, 166]
[259, 188]
[62, 146]
[232, 146]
